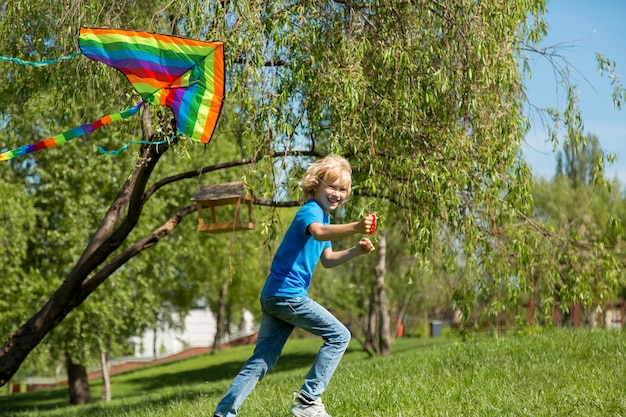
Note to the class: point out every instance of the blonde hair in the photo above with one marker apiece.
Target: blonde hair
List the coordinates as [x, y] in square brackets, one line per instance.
[331, 168]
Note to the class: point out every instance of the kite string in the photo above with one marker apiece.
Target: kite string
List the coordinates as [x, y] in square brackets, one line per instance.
[32, 147]
[39, 63]
[132, 142]
[73, 133]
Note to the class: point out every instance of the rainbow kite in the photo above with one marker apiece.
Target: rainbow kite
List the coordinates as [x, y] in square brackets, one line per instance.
[184, 74]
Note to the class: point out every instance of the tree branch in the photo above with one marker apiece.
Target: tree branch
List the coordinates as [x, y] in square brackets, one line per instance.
[224, 165]
[145, 243]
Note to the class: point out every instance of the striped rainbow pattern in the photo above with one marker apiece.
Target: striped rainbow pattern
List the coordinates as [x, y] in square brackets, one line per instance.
[184, 74]
[70, 134]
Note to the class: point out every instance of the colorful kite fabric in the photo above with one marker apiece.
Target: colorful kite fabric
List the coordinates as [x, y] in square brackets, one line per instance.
[184, 74]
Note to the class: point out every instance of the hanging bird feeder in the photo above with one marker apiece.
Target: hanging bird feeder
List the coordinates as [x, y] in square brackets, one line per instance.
[228, 194]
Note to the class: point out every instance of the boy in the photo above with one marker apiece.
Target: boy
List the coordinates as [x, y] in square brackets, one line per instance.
[284, 299]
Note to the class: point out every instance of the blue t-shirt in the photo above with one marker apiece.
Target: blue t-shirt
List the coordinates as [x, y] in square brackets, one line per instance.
[297, 255]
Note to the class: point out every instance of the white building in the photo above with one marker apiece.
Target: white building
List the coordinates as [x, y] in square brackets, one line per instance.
[198, 331]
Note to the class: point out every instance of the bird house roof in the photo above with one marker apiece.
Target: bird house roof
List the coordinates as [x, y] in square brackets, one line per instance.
[218, 192]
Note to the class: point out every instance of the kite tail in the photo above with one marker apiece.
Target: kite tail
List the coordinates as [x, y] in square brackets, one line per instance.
[70, 134]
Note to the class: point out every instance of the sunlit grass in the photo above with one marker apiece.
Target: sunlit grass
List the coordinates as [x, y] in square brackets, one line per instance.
[551, 373]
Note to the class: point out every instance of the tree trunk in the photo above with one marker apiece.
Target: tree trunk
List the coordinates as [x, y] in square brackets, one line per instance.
[399, 330]
[155, 352]
[530, 309]
[220, 320]
[378, 332]
[370, 344]
[106, 377]
[78, 383]
[384, 328]
[384, 332]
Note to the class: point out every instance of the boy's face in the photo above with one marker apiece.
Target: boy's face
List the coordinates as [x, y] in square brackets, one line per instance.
[331, 193]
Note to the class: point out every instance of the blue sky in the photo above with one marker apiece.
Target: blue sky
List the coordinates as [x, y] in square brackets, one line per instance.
[586, 27]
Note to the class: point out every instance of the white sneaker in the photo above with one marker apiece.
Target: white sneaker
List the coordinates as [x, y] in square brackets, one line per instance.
[301, 408]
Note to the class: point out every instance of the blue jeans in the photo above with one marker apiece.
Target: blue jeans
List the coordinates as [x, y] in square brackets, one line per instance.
[280, 316]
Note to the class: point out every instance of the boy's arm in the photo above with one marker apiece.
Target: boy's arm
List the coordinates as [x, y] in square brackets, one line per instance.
[323, 232]
[331, 258]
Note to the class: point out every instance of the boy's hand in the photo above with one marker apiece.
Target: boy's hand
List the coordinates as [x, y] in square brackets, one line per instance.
[365, 246]
[369, 223]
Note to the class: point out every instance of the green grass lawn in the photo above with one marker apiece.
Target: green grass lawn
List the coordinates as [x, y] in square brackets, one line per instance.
[549, 373]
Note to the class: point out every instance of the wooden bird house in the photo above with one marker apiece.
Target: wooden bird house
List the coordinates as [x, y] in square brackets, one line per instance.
[234, 194]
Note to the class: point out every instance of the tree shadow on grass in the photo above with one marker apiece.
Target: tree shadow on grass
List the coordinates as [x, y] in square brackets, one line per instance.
[223, 371]
[145, 385]
[40, 400]
[128, 407]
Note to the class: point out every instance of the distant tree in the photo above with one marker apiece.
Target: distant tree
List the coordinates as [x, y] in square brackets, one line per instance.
[581, 161]
[578, 207]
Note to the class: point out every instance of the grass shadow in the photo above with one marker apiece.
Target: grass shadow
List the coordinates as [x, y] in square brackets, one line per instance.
[133, 387]
[99, 408]
[213, 373]
[166, 377]
[40, 400]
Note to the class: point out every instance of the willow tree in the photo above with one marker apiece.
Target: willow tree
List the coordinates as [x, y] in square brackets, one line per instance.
[425, 98]
[579, 208]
